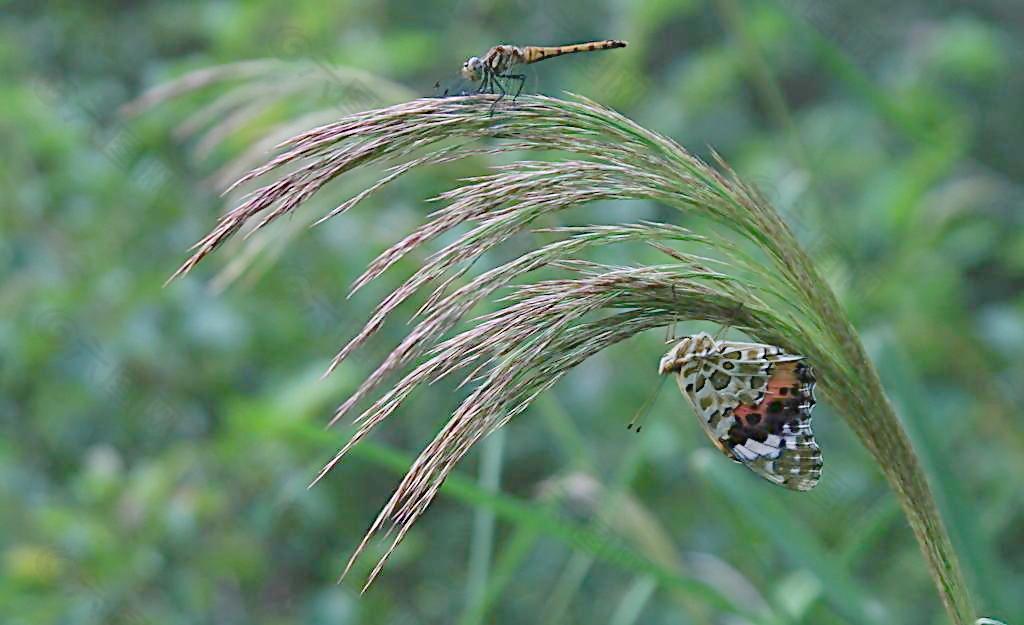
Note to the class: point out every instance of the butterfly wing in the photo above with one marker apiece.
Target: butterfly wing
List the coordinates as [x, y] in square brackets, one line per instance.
[773, 436]
[754, 402]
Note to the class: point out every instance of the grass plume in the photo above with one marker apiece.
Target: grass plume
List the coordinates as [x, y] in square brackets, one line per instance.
[272, 99]
[748, 272]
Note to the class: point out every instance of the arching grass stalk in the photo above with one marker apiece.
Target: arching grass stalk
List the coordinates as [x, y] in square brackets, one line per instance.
[268, 98]
[757, 280]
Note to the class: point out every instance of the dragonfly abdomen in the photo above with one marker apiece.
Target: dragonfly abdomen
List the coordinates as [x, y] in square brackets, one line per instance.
[532, 54]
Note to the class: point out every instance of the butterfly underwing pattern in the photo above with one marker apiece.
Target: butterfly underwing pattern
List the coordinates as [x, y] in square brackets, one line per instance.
[754, 401]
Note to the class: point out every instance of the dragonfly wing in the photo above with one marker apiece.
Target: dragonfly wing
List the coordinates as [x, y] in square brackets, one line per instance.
[454, 87]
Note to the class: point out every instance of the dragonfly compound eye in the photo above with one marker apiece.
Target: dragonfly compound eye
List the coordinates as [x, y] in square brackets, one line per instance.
[472, 69]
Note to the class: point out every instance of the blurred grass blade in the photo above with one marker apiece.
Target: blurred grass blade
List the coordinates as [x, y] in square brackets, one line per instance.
[632, 604]
[798, 544]
[512, 556]
[528, 516]
[482, 540]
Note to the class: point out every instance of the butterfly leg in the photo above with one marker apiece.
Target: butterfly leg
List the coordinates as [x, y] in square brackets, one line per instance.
[670, 331]
[725, 327]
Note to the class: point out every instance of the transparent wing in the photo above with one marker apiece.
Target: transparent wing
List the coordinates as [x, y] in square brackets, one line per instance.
[455, 86]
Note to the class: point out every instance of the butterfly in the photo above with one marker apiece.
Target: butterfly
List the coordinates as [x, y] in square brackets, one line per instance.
[754, 401]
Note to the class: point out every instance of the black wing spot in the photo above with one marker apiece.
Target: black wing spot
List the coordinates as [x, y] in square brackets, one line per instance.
[719, 380]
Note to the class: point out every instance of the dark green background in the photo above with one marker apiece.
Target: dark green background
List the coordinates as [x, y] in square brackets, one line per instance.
[157, 441]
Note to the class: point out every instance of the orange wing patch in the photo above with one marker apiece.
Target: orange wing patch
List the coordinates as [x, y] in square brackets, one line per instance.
[783, 386]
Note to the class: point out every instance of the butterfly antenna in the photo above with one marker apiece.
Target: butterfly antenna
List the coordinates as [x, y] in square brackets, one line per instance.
[634, 423]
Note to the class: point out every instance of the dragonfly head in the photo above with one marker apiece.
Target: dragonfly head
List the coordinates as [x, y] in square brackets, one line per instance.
[473, 69]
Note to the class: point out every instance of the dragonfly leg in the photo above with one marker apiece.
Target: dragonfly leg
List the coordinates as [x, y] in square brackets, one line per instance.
[485, 84]
[520, 79]
[501, 88]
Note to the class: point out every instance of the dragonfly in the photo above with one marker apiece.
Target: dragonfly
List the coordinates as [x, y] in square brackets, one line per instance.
[500, 61]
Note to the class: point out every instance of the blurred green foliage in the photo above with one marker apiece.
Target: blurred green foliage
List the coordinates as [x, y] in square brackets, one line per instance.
[157, 442]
